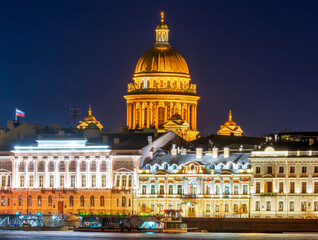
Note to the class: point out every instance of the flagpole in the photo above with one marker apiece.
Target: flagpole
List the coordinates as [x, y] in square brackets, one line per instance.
[16, 118]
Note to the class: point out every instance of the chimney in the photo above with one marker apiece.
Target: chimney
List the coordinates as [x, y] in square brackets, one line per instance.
[183, 151]
[241, 148]
[105, 139]
[226, 152]
[149, 139]
[215, 152]
[174, 150]
[116, 140]
[199, 152]
[151, 154]
[61, 133]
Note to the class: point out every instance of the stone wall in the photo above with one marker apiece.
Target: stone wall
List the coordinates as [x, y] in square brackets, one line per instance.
[271, 225]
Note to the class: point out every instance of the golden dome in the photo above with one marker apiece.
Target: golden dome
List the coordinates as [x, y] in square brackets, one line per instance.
[230, 122]
[162, 59]
[89, 117]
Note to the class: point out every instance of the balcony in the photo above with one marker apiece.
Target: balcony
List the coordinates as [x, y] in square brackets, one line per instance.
[189, 91]
[269, 194]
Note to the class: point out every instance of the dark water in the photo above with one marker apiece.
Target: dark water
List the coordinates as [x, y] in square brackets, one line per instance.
[193, 236]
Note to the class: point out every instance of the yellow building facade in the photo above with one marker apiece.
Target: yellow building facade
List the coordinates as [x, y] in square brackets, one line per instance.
[161, 89]
[230, 128]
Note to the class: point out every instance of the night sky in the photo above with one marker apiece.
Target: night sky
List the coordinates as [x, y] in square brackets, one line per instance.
[258, 58]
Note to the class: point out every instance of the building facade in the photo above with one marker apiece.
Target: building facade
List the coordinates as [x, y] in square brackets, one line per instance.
[71, 177]
[285, 179]
[161, 89]
[200, 184]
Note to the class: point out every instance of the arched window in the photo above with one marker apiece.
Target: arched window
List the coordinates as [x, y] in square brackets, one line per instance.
[82, 201]
[71, 201]
[137, 117]
[102, 201]
[39, 201]
[145, 116]
[92, 201]
[50, 201]
[30, 200]
[3, 201]
[8, 201]
[165, 166]
[129, 202]
[123, 201]
[240, 166]
[156, 167]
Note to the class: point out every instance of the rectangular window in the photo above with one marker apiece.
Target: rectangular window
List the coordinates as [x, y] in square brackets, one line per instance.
[153, 189]
[162, 189]
[316, 169]
[217, 190]
[103, 180]
[269, 187]
[170, 189]
[41, 181]
[315, 206]
[236, 190]
[143, 207]
[20, 201]
[51, 180]
[226, 207]
[292, 187]
[152, 207]
[9, 181]
[292, 169]
[304, 169]
[208, 190]
[291, 206]
[268, 205]
[31, 180]
[281, 187]
[72, 180]
[144, 189]
[208, 207]
[257, 206]
[83, 180]
[21, 181]
[129, 181]
[316, 187]
[280, 206]
[281, 169]
[244, 208]
[217, 207]
[93, 180]
[245, 189]
[3, 181]
[179, 189]
[258, 187]
[269, 169]
[117, 180]
[303, 206]
[235, 208]
[61, 181]
[303, 187]
[258, 170]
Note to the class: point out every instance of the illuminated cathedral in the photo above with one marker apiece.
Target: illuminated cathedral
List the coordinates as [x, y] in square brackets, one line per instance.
[161, 96]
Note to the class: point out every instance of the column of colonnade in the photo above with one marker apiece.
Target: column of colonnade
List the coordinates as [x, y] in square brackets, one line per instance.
[150, 110]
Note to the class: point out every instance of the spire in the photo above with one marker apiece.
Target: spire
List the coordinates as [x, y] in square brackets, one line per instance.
[90, 110]
[230, 116]
[162, 17]
[162, 32]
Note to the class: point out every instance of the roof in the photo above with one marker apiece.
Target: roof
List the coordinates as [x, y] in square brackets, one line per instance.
[164, 157]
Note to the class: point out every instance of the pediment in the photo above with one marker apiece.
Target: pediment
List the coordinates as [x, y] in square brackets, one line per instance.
[161, 172]
[4, 170]
[123, 170]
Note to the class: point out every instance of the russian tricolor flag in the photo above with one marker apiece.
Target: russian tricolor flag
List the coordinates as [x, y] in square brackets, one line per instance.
[19, 113]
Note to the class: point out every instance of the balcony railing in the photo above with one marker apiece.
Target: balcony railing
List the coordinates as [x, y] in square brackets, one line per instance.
[188, 91]
[269, 194]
